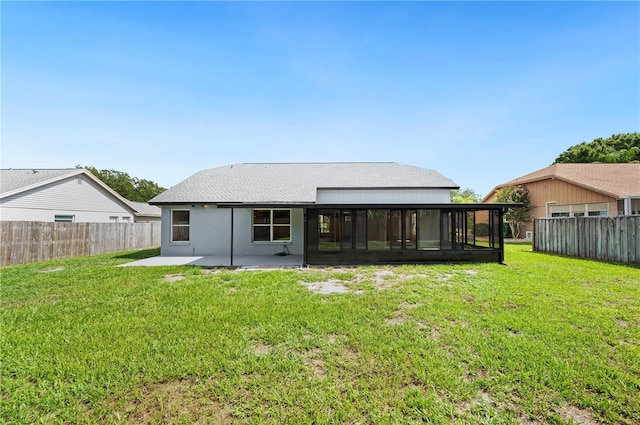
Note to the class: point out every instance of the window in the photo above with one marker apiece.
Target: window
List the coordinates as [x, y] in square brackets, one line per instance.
[361, 229]
[410, 228]
[271, 225]
[378, 222]
[598, 213]
[180, 226]
[329, 228]
[126, 219]
[561, 214]
[428, 229]
[345, 231]
[395, 229]
[64, 218]
[113, 218]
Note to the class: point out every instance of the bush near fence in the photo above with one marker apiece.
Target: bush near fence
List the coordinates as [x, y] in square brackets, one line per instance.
[601, 238]
[32, 241]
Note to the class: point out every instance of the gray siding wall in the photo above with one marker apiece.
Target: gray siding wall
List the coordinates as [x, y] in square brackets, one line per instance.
[210, 233]
[242, 244]
[76, 196]
[383, 196]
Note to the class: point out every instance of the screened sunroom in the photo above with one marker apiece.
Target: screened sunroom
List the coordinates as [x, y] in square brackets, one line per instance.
[406, 234]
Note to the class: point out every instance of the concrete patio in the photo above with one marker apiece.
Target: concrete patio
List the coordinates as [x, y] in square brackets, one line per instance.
[244, 261]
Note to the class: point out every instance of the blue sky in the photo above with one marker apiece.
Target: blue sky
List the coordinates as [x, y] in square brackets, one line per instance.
[482, 92]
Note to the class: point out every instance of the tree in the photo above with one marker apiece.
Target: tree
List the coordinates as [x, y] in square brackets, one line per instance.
[467, 196]
[131, 188]
[619, 148]
[515, 216]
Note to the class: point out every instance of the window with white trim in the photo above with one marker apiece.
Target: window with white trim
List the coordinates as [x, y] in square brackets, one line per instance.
[64, 218]
[598, 213]
[271, 225]
[180, 221]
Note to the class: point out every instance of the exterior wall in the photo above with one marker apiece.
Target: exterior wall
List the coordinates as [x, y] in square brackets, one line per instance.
[77, 196]
[565, 195]
[147, 219]
[242, 244]
[383, 196]
[210, 233]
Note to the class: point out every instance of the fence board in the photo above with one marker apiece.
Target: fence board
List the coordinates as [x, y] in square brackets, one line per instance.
[31, 241]
[602, 238]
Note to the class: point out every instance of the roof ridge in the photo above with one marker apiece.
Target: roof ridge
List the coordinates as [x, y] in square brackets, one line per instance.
[317, 162]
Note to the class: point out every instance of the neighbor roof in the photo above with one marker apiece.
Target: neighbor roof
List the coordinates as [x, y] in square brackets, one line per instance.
[296, 182]
[18, 180]
[616, 180]
[144, 209]
[15, 180]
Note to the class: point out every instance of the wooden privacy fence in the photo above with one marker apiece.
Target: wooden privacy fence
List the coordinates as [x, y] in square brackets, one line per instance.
[31, 241]
[601, 238]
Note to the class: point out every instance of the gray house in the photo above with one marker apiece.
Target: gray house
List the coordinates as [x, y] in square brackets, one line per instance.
[327, 213]
[66, 195]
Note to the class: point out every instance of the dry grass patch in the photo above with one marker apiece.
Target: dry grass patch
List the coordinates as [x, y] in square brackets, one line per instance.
[179, 401]
[262, 349]
[332, 286]
[52, 270]
[578, 415]
[173, 278]
[314, 362]
[397, 319]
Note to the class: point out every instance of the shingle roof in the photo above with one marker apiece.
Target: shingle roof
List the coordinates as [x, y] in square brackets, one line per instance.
[295, 182]
[13, 179]
[144, 209]
[17, 180]
[617, 180]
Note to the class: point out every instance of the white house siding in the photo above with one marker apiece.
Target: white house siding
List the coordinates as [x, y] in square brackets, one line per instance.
[382, 196]
[76, 196]
[146, 219]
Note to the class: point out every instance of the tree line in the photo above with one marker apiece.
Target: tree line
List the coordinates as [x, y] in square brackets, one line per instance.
[619, 148]
[131, 188]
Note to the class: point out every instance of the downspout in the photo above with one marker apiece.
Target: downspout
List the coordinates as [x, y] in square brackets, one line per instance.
[304, 236]
[546, 207]
[627, 206]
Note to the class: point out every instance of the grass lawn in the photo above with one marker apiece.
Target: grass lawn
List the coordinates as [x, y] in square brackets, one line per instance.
[545, 339]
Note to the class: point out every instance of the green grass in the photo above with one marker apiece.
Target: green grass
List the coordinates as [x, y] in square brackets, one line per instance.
[545, 339]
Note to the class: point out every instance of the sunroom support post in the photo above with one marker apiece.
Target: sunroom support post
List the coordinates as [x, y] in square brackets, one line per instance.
[231, 247]
[501, 233]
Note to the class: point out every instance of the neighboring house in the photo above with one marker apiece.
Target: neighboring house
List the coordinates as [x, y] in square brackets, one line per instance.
[145, 212]
[65, 195]
[569, 190]
[328, 213]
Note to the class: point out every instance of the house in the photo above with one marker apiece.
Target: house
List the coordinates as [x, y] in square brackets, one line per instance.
[327, 213]
[569, 190]
[145, 213]
[66, 195]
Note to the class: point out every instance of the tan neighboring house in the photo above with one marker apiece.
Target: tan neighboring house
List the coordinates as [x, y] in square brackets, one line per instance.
[572, 190]
[66, 195]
